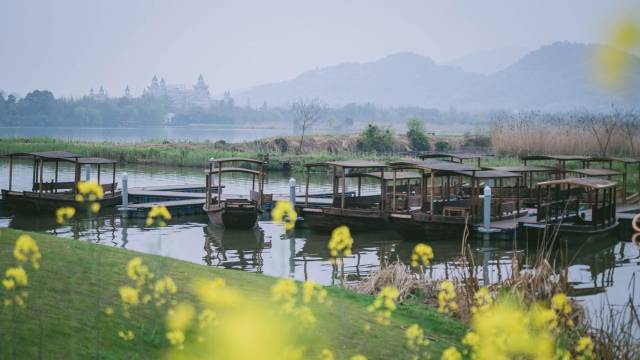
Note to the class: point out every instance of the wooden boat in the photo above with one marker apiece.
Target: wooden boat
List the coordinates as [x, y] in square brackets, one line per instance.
[234, 212]
[453, 205]
[361, 212]
[574, 206]
[50, 195]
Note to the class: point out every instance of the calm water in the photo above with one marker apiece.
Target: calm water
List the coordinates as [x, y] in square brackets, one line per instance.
[602, 270]
[122, 134]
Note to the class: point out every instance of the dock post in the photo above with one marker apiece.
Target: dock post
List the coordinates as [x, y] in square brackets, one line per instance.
[125, 190]
[292, 191]
[486, 216]
[87, 172]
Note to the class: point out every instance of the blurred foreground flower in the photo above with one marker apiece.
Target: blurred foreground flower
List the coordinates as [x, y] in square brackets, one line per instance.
[284, 213]
[447, 297]
[384, 304]
[65, 213]
[158, 214]
[615, 61]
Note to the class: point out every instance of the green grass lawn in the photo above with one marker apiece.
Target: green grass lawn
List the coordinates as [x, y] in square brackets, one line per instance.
[64, 317]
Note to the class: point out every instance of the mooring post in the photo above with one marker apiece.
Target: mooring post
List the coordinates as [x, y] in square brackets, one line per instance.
[125, 190]
[487, 208]
[292, 191]
[87, 172]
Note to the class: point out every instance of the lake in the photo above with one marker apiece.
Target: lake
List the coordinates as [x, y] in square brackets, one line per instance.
[601, 270]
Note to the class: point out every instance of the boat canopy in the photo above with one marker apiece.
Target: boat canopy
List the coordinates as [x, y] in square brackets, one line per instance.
[231, 169]
[47, 155]
[523, 168]
[400, 175]
[624, 160]
[95, 161]
[557, 157]
[490, 174]
[433, 165]
[236, 159]
[596, 172]
[586, 182]
[458, 157]
[349, 164]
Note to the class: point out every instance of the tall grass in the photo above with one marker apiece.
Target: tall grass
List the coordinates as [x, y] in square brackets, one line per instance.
[186, 153]
[585, 134]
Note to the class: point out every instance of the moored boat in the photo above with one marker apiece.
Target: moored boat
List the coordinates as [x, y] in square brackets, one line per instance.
[46, 196]
[234, 211]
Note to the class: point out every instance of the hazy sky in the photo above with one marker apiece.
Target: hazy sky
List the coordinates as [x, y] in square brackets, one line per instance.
[70, 46]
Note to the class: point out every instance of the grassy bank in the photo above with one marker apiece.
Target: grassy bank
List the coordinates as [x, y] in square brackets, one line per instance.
[64, 317]
[185, 153]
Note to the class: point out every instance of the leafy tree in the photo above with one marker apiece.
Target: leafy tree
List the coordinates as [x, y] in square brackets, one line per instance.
[415, 133]
[374, 138]
[442, 145]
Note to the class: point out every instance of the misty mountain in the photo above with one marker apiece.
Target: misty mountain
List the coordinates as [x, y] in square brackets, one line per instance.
[556, 77]
[402, 79]
[489, 61]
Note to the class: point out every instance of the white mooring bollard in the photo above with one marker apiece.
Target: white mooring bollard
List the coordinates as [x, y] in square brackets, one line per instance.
[487, 208]
[292, 191]
[125, 191]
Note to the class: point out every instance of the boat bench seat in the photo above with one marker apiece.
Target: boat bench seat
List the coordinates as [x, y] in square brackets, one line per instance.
[54, 186]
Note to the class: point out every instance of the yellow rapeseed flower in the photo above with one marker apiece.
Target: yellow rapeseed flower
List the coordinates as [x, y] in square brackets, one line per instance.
[326, 354]
[17, 275]
[95, 207]
[137, 271]
[341, 242]
[384, 304]
[65, 213]
[415, 338]
[90, 190]
[483, 300]
[215, 293]
[451, 353]
[584, 348]
[306, 316]
[108, 311]
[163, 289]
[129, 296]
[311, 289]
[421, 255]
[284, 213]
[615, 61]
[284, 291]
[126, 335]
[447, 297]
[358, 357]
[26, 249]
[506, 331]
[159, 214]
[206, 317]
[560, 303]
[178, 320]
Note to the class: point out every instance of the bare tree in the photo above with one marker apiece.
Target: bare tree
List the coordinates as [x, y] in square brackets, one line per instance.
[630, 127]
[602, 127]
[306, 114]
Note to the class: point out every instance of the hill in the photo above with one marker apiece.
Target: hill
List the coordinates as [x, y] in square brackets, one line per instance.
[556, 77]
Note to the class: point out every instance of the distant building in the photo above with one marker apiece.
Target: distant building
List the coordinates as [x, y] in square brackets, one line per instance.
[127, 92]
[180, 96]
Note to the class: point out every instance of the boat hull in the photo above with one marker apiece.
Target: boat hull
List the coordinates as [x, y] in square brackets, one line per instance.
[413, 229]
[326, 219]
[47, 202]
[230, 216]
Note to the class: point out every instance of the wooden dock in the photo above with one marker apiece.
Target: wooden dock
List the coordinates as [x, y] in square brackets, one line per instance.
[185, 199]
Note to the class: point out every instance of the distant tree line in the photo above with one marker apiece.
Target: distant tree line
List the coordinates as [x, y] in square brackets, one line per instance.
[42, 108]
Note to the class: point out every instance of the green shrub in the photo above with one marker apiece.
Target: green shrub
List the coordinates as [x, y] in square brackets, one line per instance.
[477, 141]
[415, 133]
[442, 145]
[375, 138]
